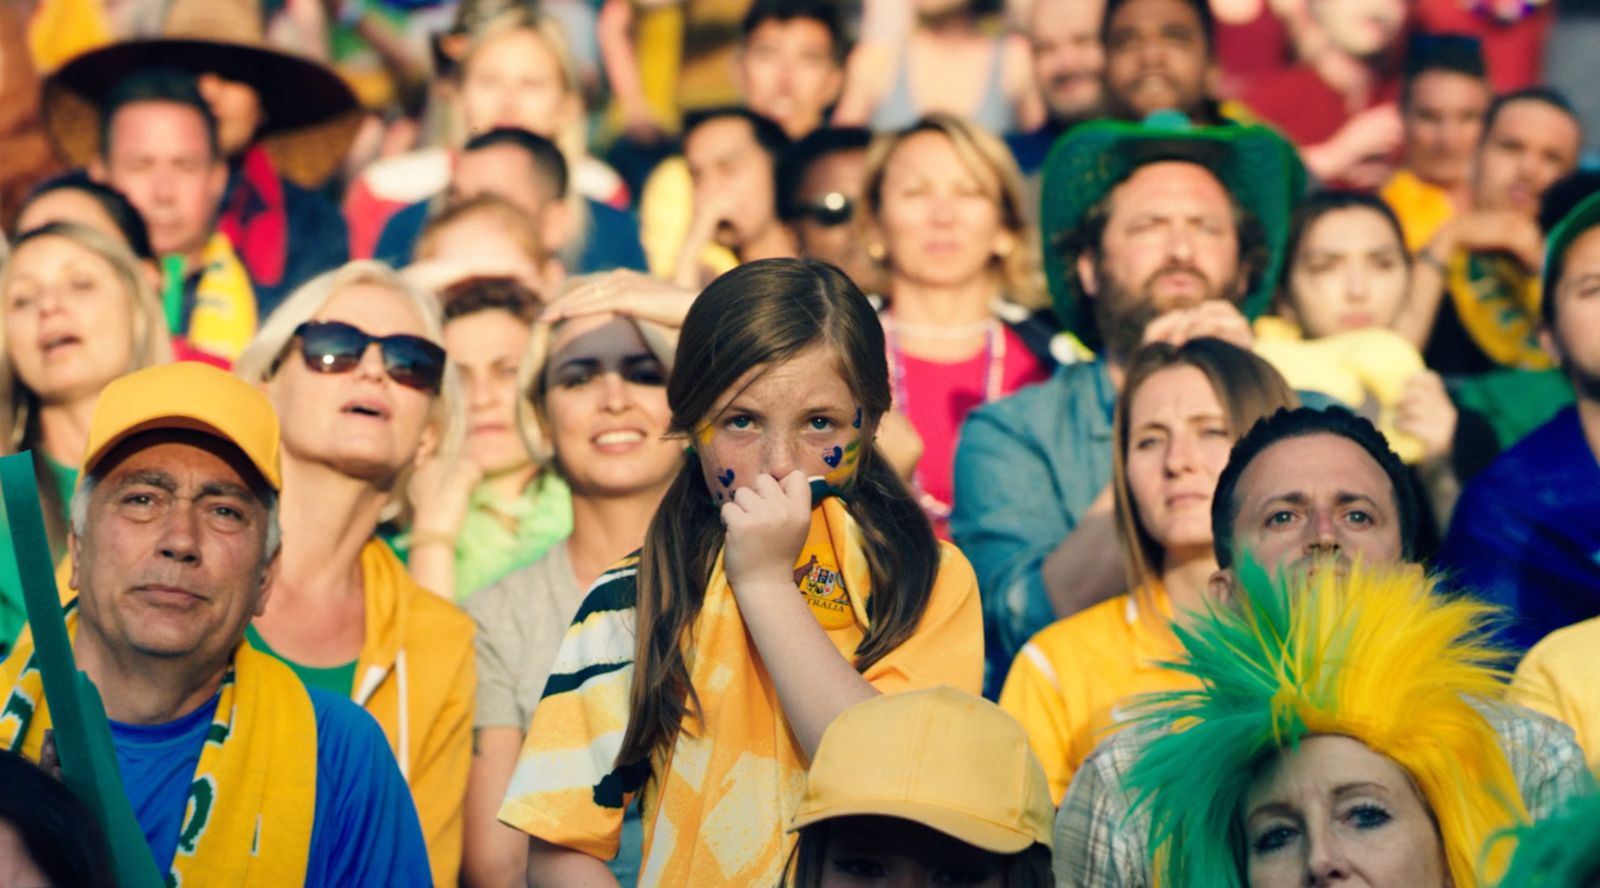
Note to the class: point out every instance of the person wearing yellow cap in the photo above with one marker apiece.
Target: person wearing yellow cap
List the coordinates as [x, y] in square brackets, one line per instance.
[923, 788]
[236, 772]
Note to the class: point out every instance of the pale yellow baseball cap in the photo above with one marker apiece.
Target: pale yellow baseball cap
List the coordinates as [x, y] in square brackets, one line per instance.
[186, 395]
[940, 757]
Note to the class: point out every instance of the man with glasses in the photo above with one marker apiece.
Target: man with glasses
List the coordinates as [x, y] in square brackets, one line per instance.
[237, 773]
[819, 193]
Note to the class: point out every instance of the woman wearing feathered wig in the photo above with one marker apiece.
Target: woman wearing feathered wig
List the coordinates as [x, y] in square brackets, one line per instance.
[1339, 739]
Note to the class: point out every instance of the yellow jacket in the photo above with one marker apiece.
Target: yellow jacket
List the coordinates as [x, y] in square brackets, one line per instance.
[1070, 681]
[1558, 678]
[418, 649]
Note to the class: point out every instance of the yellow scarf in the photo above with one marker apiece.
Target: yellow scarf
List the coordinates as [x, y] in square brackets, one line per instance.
[730, 775]
[224, 316]
[1498, 303]
[248, 816]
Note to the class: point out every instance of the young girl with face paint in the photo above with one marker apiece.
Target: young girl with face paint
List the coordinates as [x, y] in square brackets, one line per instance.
[787, 575]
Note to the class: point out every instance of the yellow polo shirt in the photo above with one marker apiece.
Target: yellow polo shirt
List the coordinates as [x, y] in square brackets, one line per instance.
[1559, 678]
[1423, 208]
[1070, 680]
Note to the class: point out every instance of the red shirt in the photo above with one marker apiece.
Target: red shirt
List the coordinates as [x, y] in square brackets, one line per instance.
[1513, 52]
[939, 396]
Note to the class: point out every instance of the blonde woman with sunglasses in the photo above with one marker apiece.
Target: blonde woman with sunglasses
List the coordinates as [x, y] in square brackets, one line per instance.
[354, 366]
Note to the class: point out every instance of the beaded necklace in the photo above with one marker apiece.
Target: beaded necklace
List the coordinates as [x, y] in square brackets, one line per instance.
[994, 380]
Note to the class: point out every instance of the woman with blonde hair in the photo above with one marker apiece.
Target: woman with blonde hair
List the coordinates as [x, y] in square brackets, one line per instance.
[1181, 409]
[1336, 732]
[76, 312]
[945, 217]
[354, 366]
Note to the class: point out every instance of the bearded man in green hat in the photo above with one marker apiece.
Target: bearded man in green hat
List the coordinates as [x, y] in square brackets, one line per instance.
[1153, 232]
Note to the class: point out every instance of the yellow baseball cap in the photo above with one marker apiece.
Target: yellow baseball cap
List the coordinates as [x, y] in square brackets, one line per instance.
[186, 395]
[946, 759]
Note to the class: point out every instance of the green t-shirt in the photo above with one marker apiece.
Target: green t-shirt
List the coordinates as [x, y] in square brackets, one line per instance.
[340, 680]
[13, 615]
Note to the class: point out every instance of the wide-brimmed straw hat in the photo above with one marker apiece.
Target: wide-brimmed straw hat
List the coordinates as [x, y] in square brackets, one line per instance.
[311, 115]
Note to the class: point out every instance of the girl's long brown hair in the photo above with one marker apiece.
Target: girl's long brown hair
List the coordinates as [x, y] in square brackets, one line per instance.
[759, 315]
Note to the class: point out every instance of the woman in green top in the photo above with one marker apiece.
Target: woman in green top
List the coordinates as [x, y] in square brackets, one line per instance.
[76, 312]
[494, 508]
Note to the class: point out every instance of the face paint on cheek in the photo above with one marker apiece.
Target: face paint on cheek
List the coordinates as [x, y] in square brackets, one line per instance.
[842, 462]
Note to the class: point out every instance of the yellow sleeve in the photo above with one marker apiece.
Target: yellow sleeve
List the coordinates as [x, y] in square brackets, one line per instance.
[947, 647]
[1553, 679]
[666, 208]
[1032, 696]
[439, 781]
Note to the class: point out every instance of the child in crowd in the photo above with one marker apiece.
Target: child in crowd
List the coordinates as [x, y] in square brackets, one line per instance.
[925, 788]
[788, 574]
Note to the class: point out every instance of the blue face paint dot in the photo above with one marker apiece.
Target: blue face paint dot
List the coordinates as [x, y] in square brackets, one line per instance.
[856, 423]
[725, 477]
[832, 457]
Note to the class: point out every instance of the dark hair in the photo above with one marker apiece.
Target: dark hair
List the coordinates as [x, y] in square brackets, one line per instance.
[768, 134]
[1558, 200]
[116, 205]
[1246, 387]
[57, 829]
[800, 157]
[1446, 53]
[1028, 868]
[473, 295]
[824, 12]
[546, 157]
[1303, 422]
[1547, 95]
[1308, 211]
[1086, 237]
[172, 85]
[759, 314]
[1201, 8]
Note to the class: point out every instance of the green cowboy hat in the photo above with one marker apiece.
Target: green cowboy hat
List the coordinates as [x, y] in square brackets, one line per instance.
[1582, 217]
[1255, 164]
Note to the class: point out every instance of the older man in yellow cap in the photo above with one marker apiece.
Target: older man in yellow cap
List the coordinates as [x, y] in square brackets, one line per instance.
[237, 773]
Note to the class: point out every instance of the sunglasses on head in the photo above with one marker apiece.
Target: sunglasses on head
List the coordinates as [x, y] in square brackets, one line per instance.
[830, 210]
[336, 347]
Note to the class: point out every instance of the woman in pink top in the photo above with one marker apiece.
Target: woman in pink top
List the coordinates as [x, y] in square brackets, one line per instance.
[944, 215]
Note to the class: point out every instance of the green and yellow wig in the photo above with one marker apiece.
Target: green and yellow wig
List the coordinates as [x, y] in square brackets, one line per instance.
[1378, 655]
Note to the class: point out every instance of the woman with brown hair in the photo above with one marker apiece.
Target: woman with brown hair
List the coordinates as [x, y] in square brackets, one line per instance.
[1181, 409]
[945, 217]
[76, 312]
[794, 560]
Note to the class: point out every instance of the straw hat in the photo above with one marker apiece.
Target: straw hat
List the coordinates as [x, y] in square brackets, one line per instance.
[311, 115]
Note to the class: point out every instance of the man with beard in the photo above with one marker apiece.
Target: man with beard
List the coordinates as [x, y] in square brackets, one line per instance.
[1152, 232]
[1303, 489]
[1474, 304]
[1526, 535]
[1068, 60]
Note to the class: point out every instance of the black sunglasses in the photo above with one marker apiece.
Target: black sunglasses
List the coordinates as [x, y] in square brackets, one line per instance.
[336, 347]
[830, 210]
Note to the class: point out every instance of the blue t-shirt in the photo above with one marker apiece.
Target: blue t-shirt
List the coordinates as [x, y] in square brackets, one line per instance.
[364, 829]
[1526, 533]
